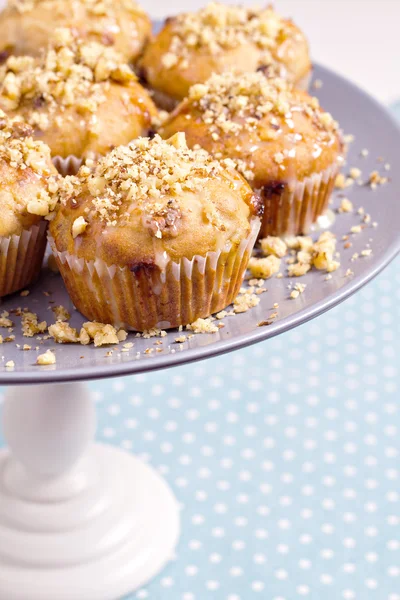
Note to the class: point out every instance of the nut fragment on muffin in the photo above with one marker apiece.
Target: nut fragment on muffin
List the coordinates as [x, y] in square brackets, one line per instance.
[28, 182]
[278, 137]
[80, 97]
[168, 235]
[26, 26]
[219, 38]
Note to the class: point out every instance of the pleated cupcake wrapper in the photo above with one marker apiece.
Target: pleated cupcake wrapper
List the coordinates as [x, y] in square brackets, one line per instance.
[21, 258]
[147, 297]
[293, 210]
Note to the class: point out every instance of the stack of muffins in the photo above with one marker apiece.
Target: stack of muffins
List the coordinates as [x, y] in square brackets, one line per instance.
[153, 216]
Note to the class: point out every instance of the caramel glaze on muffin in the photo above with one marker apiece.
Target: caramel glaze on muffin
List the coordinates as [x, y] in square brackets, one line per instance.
[274, 135]
[27, 25]
[151, 200]
[28, 179]
[80, 97]
[218, 38]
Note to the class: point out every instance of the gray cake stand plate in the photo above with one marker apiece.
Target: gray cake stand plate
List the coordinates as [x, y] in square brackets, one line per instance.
[80, 520]
[373, 129]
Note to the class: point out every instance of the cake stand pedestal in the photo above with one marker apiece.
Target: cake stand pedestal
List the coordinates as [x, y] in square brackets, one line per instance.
[78, 520]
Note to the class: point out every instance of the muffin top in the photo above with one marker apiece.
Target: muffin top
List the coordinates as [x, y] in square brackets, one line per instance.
[73, 93]
[27, 25]
[28, 178]
[220, 38]
[150, 201]
[269, 130]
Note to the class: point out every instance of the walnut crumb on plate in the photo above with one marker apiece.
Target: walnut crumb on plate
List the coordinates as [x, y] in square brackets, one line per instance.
[48, 358]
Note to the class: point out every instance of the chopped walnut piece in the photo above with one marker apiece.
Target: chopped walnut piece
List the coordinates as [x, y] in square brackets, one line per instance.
[323, 253]
[376, 179]
[84, 337]
[355, 173]
[203, 326]
[48, 358]
[245, 302]
[61, 313]
[79, 226]
[155, 332]
[10, 364]
[5, 321]
[273, 245]
[181, 339]
[101, 334]
[298, 269]
[264, 267]
[122, 335]
[31, 325]
[63, 333]
[346, 206]
[26, 347]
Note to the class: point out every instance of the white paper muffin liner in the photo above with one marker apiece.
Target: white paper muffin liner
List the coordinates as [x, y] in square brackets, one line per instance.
[21, 258]
[166, 296]
[292, 207]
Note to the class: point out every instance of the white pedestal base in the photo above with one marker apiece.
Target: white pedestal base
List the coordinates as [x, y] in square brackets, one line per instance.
[97, 530]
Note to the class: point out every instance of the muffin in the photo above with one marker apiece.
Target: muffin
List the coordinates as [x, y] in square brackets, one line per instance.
[155, 235]
[28, 181]
[26, 26]
[219, 38]
[277, 137]
[80, 97]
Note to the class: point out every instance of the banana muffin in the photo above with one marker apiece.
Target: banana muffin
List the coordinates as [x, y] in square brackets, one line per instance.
[26, 26]
[155, 235]
[219, 38]
[28, 182]
[81, 98]
[278, 137]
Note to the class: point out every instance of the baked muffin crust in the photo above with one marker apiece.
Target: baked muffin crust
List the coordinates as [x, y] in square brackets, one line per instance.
[270, 131]
[28, 179]
[152, 201]
[27, 25]
[80, 97]
[218, 38]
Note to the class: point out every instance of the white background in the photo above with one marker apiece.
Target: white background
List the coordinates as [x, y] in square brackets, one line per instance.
[358, 38]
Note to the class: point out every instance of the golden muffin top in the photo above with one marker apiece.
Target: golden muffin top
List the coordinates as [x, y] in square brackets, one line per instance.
[270, 130]
[151, 200]
[28, 178]
[67, 93]
[27, 25]
[218, 38]
[72, 72]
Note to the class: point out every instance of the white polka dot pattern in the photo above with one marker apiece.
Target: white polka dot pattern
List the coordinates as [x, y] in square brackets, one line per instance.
[284, 457]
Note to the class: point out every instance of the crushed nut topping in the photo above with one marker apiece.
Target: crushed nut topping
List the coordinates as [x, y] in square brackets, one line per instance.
[231, 104]
[21, 152]
[71, 72]
[217, 27]
[148, 174]
[99, 8]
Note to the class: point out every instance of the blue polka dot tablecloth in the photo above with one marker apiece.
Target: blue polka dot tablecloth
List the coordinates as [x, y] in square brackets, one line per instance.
[284, 457]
